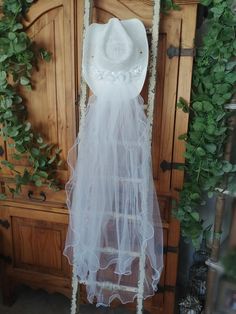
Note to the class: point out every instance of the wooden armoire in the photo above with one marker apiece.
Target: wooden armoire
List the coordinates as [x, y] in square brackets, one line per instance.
[33, 225]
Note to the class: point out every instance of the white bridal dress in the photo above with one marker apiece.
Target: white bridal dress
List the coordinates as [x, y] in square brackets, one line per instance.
[114, 212]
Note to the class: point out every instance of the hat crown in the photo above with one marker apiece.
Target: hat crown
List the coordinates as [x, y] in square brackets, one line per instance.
[116, 45]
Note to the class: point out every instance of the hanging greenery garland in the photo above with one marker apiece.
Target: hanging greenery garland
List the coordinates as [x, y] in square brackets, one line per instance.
[18, 56]
[214, 79]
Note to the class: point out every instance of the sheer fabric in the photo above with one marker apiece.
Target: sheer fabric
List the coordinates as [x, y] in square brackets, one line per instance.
[114, 212]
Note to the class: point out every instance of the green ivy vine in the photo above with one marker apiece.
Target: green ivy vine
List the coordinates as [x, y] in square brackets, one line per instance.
[214, 79]
[168, 5]
[18, 57]
[229, 264]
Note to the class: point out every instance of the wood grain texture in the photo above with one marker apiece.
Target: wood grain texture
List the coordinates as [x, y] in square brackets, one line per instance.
[126, 9]
[35, 245]
[123, 9]
[23, 204]
[40, 280]
[40, 195]
[33, 240]
[51, 103]
[184, 90]
[163, 142]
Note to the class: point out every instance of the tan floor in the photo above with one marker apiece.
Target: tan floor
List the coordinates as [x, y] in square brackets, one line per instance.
[40, 302]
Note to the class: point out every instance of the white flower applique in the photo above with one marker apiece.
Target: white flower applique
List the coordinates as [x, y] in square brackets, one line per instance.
[121, 76]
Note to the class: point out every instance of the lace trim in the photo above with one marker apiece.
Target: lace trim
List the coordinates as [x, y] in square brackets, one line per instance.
[120, 76]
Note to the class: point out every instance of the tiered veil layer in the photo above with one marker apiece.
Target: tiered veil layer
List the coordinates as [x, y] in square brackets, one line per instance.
[114, 213]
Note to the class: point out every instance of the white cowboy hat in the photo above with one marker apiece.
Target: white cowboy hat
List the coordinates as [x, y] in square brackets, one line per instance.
[115, 52]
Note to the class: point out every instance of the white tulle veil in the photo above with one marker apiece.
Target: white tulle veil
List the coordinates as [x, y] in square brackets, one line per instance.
[114, 213]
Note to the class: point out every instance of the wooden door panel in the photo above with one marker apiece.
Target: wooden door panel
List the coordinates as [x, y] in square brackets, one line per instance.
[42, 102]
[32, 250]
[38, 245]
[51, 102]
[164, 111]
[141, 9]
[164, 207]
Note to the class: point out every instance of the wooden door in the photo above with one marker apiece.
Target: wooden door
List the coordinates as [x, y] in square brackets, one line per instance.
[51, 103]
[32, 244]
[38, 245]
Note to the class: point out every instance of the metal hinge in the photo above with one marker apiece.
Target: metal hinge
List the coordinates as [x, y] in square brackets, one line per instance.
[170, 249]
[4, 223]
[177, 52]
[6, 259]
[166, 165]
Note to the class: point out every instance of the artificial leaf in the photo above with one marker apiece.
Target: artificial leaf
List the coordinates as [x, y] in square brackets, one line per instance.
[2, 196]
[24, 80]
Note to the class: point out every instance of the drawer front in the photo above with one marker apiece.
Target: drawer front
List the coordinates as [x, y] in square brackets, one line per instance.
[41, 195]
